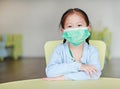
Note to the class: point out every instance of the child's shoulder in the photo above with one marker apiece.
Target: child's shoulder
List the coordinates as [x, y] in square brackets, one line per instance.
[61, 45]
[92, 48]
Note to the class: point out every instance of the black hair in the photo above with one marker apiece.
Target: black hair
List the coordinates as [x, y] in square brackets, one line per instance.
[71, 11]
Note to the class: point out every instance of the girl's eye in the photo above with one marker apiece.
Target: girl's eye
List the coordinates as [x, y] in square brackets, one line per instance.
[79, 25]
[69, 26]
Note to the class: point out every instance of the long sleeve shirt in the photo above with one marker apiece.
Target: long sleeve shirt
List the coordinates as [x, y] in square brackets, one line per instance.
[61, 63]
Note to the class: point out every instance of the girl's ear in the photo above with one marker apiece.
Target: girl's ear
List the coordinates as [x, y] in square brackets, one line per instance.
[90, 28]
[62, 30]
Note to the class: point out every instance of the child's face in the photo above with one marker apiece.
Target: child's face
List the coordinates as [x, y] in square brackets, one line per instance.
[74, 21]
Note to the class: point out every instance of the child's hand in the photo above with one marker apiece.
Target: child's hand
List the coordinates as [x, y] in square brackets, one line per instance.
[48, 79]
[54, 78]
[89, 69]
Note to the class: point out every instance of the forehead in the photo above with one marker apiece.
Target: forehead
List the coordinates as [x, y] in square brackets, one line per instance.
[75, 17]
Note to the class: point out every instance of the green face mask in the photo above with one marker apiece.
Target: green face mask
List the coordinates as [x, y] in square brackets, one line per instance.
[76, 36]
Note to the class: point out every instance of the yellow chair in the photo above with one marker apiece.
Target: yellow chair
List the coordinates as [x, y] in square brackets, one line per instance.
[100, 45]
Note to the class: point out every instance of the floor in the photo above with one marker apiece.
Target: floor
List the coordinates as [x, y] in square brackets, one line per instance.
[28, 68]
[32, 68]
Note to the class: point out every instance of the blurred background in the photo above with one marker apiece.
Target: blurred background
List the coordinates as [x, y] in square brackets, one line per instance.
[33, 22]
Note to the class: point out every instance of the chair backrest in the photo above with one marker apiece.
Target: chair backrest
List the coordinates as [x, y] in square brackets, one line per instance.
[100, 45]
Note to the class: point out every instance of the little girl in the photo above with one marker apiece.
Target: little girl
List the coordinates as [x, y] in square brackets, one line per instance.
[75, 59]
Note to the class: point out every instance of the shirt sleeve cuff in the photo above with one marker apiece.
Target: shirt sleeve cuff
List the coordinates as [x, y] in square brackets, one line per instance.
[78, 66]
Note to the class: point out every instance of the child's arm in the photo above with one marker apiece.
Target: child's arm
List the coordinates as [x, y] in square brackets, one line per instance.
[87, 72]
[81, 76]
[91, 70]
[58, 66]
[59, 69]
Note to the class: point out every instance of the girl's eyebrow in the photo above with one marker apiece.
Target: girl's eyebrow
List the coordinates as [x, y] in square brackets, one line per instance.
[80, 23]
[68, 23]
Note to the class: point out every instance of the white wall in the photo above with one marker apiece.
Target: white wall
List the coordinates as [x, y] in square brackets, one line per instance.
[38, 20]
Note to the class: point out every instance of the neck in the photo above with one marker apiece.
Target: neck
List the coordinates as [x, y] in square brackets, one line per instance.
[76, 47]
[77, 51]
